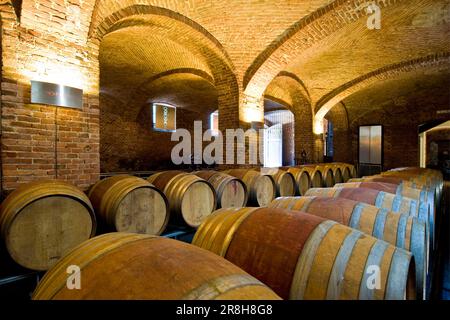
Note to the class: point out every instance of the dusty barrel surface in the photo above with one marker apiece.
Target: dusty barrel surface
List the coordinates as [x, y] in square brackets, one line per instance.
[315, 175]
[41, 221]
[124, 266]
[319, 258]
[302, 179]
[130, 204]
[398, 229]
[261, 187]
[231, 191]
[191, 199]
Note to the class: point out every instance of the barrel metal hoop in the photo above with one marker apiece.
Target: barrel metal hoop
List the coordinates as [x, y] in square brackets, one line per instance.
[374, 259]
[380, 199]
[336, 278]
[356, 215]
[380, 222]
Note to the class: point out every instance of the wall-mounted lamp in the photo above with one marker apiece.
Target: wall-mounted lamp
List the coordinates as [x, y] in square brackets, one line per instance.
[318, 125]
[56, 95]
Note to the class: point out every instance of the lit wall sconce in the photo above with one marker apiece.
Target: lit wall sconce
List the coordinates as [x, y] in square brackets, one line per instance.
[56, 95]
[252, 110]
[318, 125]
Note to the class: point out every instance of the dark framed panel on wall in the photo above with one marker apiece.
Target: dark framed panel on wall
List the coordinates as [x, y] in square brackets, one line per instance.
[370, 149]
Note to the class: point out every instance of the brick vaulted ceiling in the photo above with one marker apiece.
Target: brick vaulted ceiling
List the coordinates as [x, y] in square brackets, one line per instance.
[152, 56]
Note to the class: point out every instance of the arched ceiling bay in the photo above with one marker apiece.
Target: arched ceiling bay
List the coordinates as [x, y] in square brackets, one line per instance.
[150, 57]
[409, 30]
[406, 94]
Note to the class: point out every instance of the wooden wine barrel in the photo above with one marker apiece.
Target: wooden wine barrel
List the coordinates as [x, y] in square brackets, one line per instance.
[345, 171]
[380, 199]
[130, 204]
[191, 199]
[124, 266]
[302, 179]
[421, 176]
[315, 175]
[302, 256]
[327, 176]
[261, 187]
[284, 181]
[415, 194]
[353, 171]
[409, 190]
[398, 229]
[231, 191]
[337, 172]
[41, 221]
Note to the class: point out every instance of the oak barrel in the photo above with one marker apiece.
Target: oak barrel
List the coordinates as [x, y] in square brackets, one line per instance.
[345, 171]
[398, 229]
[327, 175]
[380, 199]
[130, 204]
[284, 181]
[261, 187]
[41, 221]
[191, 198]
[411, 190]
[418, 195]
[337, 172]
[124, 266]
[231, 191]
[315, 175]
[301, 256]
[302, 179]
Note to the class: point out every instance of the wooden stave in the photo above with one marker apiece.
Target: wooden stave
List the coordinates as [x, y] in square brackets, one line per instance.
[107, 194]
[376, 222]
[227, 279]
[31, 192]
[168, 181]
[227, 237]
[378, 199]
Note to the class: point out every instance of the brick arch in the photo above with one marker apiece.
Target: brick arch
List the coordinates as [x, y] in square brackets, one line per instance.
[302, 35]
[326, 103]
[223, 70]
[290, 89]
[100, 28]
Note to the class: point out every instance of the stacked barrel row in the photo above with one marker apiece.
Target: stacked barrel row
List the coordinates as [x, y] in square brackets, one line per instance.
[316, 246]
[48, 225]
[396, 194]
[41, 221]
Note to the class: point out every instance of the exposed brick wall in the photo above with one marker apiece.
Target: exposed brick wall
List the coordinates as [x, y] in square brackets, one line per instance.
[131, 144]
[40, 142]
[341, 134]
[400, 119]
